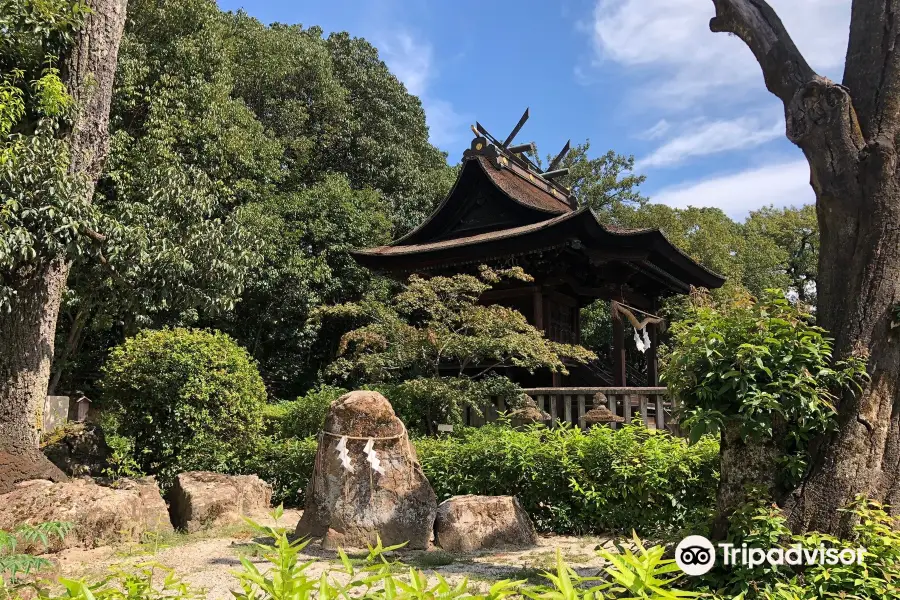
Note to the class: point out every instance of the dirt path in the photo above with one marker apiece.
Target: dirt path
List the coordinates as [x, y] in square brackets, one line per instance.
[207, 560]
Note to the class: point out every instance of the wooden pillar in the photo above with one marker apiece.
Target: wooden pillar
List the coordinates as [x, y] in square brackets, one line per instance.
[618, 352]
[577, 322]
[652, 359]
[538, 309]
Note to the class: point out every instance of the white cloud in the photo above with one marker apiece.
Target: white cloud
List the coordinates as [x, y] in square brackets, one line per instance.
[781, 184]
[702, 138]
[657, 131]
[411, 61]
[684, 61]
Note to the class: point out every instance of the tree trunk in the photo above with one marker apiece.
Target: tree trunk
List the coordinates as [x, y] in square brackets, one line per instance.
[25, 356]
[28, 330]
[847, 133]
[745, 465]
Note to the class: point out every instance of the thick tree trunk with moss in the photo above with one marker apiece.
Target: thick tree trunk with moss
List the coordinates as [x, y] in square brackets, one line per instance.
[745, 465]
[848, 133]
[26, 348]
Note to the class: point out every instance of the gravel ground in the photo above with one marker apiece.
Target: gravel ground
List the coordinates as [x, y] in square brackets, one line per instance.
[207, 559]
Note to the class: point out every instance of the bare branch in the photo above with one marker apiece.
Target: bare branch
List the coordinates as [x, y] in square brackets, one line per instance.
[756, 23]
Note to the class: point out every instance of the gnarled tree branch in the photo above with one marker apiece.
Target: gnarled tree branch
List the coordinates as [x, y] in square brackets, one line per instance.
[872, 66]
[756, 23]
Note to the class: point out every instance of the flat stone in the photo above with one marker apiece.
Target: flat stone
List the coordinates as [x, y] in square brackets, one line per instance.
[100, 514]
[469, 523]
[201, 499]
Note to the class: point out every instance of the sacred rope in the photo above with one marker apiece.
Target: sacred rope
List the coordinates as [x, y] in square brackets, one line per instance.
[369, 450]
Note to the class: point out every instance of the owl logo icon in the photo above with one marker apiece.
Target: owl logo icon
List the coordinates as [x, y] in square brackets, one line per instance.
[695, 555]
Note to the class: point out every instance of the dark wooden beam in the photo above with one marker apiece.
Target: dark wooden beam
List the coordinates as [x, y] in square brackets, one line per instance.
[516, 292]
[512, 135]
[652, 358]
[618, 352]
[657, 274]
[538, 296]
[560, 156]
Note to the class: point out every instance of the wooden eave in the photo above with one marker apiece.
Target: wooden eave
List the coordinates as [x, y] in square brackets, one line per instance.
[647, 250]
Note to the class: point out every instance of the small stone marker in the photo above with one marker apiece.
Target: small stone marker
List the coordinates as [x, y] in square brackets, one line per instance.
[444, 428]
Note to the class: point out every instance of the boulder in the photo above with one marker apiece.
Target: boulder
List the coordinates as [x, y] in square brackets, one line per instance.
[78, 449]
[467, 523]
[352, 509]
[200, 499]
[100, 514]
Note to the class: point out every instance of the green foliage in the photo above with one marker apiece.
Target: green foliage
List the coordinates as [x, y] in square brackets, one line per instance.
[764, 526]
[760, 364]
[795, 232]
[306, 237]
[435, 327]
[302, 417]
[645, 575]
[13, 563]
[642, 576]
[142, 583]
[605, 183]
[43, 207]
[423, 401]
[571, 481]
[284, 463]
[187, 399]
[268, 152]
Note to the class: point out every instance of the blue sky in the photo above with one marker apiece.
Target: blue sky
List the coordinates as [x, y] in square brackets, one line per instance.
[642, 77]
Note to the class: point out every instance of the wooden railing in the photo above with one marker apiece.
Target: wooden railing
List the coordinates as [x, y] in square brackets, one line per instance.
[569, 405]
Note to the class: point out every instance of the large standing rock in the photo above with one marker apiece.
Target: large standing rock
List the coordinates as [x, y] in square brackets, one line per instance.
[351, 509]
[467, 523]
[100, 514]
[200, 499]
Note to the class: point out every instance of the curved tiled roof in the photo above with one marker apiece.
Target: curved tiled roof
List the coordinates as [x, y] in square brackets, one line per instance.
[524, 188]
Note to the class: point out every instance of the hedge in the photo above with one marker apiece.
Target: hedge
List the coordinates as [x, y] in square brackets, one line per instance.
[569, 481]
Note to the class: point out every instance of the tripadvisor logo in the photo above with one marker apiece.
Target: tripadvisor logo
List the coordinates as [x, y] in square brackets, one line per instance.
[696, 555]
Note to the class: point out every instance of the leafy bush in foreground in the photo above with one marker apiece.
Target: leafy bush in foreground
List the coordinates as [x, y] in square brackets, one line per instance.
[188, 399]
[14, 563]
[764, 526]
[572, 481]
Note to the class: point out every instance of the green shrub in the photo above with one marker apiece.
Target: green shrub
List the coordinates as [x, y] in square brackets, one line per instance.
[188, 400]
[572, 481]
[421, 401]
[284, 463]
[569, 481]
[147, 581]
[302, 417]
[762, 368]
[764, 526]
